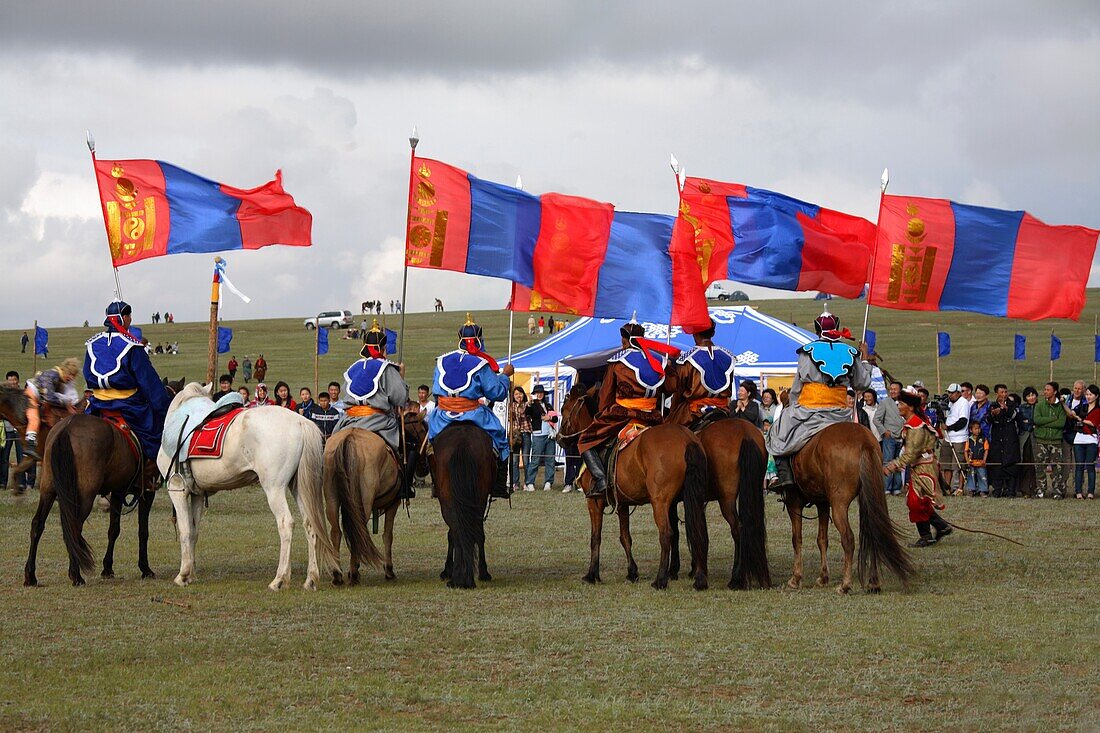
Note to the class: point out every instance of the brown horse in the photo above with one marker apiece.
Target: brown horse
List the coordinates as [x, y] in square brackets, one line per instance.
[663, 465]
[842, 462]
[463, 468]
[736, 463]
[13, 408]
[86, 457]
[361, 476]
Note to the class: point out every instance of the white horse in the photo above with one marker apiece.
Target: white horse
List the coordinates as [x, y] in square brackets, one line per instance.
[276, 447]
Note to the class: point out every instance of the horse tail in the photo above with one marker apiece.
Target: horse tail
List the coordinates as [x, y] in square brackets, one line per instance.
[63, 473]
[467, 520]
[878, 536]
[750, 515]
[353, 511]
[308, 481]
[695, 503]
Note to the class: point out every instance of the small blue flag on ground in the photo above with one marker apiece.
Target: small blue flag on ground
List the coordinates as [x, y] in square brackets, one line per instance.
[1020, 350]
[391, 341]
[41, 341]
[322, 340]
[943, 339]
[1055, 347]
[871, 340]
[1096, 356]
[225, 337]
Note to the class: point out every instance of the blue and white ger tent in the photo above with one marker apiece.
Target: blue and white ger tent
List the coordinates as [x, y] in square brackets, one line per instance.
[764, 347]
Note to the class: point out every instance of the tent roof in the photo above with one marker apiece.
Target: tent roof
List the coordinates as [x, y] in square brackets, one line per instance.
[760, 342]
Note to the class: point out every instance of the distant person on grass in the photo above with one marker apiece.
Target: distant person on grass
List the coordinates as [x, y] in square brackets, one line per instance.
[977, 448]
[247, 366]
[23, 341]
[261, 368]
[1087, 418]
[232, 367]
[955, 432]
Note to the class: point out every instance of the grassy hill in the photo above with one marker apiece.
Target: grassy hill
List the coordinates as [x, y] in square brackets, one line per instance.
[981, 346]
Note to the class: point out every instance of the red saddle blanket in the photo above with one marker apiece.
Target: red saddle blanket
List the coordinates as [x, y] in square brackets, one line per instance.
[207, 441]
[629, 433]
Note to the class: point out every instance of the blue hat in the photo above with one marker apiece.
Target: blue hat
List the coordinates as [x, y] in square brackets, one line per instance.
[119, 308]
[470, 330]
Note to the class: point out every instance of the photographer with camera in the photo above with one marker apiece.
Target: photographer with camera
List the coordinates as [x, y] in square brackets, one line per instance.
[956, 416]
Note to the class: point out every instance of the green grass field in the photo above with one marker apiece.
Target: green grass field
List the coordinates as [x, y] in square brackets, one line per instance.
[989, 636]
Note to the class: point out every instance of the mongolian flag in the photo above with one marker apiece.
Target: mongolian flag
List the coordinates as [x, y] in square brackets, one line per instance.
[563, 253]
[938, 255]
[152, 208]
[760, 237]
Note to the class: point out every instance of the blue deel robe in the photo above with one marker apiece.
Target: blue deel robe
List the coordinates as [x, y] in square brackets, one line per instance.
[458, 374]
[116, 361]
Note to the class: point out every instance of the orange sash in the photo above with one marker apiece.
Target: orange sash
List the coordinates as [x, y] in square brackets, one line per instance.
[456, 404]
[697, 405]
[363, 411]
[645, 404]
[815, 395]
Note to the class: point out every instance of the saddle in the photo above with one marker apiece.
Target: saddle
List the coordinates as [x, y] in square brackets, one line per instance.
[208, 439]
[115, 418]
[628, 434]
[707, 418]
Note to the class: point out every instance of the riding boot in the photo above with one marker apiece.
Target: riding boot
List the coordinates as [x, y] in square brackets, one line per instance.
[926, 538]
[942, 527]
[30, 446]
[500, 486]
[595, 467]
[784, 476]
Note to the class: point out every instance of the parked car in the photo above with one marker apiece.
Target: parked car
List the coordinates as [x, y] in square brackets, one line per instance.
[331, 319]
[718, 290]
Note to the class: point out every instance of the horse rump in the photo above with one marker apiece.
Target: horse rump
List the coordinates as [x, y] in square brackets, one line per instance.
[695, 501]
[467, 454]
[878, 536]
[343, 480]
[750, 515]
[63, 472]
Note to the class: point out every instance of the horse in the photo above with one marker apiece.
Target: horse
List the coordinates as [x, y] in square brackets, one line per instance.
[736, 459]
[86, 457]
[361, 476]
[842, 462]
[664, 464]
[276, 447]
[463, 469]
[13, 408]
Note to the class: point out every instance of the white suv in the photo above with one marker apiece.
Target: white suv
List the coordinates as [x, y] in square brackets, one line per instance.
[718, 291]
[332, 319]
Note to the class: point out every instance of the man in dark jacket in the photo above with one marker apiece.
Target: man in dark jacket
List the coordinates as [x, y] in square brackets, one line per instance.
[1004, 444]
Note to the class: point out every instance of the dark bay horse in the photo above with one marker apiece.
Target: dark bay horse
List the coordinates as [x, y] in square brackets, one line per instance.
[736, 464]
[663, 465]
[362, 477]
[85, 457]
[13, 408]
[463, 471]
[842, 462]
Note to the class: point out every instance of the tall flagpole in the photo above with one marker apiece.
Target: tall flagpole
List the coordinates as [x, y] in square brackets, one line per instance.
[678, 172]
[1094, 332]
[91, 149]
[212, 342]
[885, 181]
[1052, 356]
[414, 138]
[316, 356]
[34, 368]
[937, 339]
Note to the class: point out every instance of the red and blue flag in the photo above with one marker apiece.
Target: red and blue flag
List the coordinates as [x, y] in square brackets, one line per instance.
[563, 253]
[152, 208]
[760, 237]
[939, 255]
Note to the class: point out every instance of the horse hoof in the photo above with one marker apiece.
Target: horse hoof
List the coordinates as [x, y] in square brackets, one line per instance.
[700, 582]
[277, 584]
[673, 576]
[822, 582]
[78, 582]
[874, 589]
[591, 578]
[148, 575]
[486, 578]
[843, 590]
[389, 574]
[310, 584]
[182, 581]
[659, 584]
[353, 578]
[794, 583]
[632, 576]
[30, 582]
[107, 575]
[444, 575]
[337, 578]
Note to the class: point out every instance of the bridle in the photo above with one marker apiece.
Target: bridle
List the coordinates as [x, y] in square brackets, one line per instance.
[569, 413]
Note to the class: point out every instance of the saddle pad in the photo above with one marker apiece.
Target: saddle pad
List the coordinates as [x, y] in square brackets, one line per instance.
[115, 418]
[629, 433]
[207, 441]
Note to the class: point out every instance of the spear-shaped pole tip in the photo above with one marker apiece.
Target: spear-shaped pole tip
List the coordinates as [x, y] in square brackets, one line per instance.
[674, 163]
[414, 138]
[885, 178]
[519, 182]
[90, 140]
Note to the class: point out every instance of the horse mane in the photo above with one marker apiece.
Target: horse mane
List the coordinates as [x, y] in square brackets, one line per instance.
[189, 392]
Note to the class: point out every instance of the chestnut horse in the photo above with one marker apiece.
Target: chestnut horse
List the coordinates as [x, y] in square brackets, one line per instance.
[362, 477]
[842, 462]
[13, 408]
[663, 465]
[464, 468]
[86, 457]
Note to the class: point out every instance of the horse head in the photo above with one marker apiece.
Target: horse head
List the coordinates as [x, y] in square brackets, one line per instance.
[13, 405]
[415, 434]
[577, 412]
[189, 392]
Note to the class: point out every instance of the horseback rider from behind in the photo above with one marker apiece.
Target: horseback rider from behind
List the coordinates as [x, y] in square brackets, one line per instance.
[376, 393]
[123, 381]
[631, 394]
[827, 369]
[463, 378]
[53, 387]
[701, 383]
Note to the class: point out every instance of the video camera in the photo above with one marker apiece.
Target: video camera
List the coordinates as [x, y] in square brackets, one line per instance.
[940, 404]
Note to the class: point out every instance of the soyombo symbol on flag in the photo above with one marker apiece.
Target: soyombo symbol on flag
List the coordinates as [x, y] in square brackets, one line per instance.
[152, 208]
[760, 237]
[934, 254]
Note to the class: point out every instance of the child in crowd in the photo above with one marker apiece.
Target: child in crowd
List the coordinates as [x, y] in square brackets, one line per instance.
[977, 483]
[324, 415]
[769, 473]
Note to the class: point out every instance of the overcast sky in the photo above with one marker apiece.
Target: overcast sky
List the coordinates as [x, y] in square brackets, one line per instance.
[996, 104]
